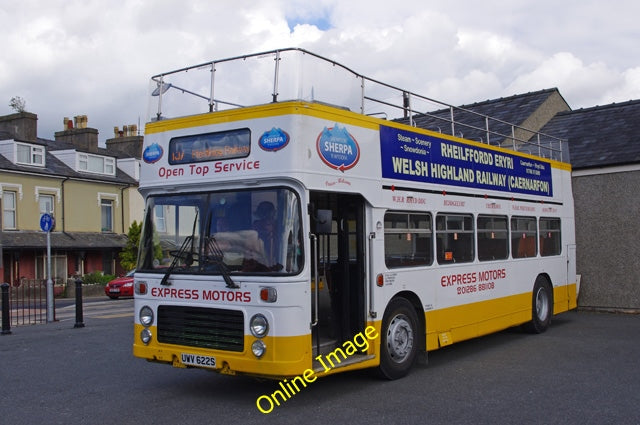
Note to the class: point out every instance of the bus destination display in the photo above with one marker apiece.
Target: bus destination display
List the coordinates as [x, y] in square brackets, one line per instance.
[210, 146]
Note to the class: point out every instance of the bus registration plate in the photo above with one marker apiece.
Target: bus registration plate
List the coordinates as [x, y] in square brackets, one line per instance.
[196, 360]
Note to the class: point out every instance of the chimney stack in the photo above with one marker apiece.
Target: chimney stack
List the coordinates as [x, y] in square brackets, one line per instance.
[21, 126]
[80, 136]
[126, 141]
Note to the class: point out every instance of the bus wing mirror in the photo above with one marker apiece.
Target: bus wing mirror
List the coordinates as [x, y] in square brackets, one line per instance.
[324, 219]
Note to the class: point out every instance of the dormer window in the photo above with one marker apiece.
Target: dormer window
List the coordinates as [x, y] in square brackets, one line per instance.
[96, 164]
[29, 154]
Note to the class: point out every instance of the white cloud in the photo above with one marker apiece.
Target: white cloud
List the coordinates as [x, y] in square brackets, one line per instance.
[305, 33]
[475, 86]
[626, 88]
[581, 84]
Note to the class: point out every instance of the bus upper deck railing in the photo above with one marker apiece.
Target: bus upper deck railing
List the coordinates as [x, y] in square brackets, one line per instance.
[297, 74]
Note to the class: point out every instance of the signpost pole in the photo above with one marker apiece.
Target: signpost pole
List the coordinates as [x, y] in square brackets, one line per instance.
[49, 281]
[47, 223]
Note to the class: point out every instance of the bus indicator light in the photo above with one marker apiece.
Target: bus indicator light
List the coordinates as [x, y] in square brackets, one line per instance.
[268, 294]
[380, 280]
[141, 288]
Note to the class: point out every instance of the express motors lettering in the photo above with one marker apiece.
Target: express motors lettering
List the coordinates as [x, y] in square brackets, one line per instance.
[206, 295]
[472, 277]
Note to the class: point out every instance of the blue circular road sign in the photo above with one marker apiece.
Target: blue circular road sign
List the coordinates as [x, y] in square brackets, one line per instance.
[47, 223]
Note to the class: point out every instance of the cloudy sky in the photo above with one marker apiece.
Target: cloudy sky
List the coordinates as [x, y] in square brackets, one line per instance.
[95, 57]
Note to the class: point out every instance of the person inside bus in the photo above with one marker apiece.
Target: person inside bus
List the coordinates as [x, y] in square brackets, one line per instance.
[265, 226]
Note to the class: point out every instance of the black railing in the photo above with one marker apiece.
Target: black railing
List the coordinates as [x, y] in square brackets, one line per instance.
[27, 300]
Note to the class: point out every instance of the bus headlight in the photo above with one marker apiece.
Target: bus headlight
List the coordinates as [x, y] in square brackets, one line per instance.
[146, 316]
[145, 336]
[258, 347]
[259, 325]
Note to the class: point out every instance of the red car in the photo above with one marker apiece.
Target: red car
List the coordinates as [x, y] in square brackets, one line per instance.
[120, 287]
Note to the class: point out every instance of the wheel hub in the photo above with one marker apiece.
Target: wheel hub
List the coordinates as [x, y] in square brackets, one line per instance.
[399, 338]
[542, 304]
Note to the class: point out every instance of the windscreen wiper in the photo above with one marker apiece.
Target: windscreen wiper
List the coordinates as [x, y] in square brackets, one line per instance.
[177, 256]
[215, 254]
[188, 243]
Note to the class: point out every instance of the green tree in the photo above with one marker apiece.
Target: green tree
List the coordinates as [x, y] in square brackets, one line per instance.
[129, 255]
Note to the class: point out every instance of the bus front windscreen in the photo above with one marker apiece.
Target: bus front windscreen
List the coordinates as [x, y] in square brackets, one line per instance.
[251, 231]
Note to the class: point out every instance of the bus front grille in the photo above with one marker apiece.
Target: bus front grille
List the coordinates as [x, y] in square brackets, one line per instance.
[201, 327]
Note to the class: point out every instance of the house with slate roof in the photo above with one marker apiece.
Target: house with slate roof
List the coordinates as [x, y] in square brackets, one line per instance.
[491, 121]
[90, 191]
[605, 156]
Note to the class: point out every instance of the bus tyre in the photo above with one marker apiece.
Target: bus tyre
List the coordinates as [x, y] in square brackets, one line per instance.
[399, 339]
[542, 306]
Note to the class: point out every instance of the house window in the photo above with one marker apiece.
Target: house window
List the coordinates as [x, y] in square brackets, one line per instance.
[46, 204]
[160, 220]
[106, 208]
[29, 154]
[107, 263]
[96, 164]
[9, 209]
[58, 267]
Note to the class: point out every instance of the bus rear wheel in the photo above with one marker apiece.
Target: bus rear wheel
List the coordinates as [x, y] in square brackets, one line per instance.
[399, 339]
[542, 306]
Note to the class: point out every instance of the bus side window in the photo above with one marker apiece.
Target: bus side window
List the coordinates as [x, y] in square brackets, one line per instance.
[550, 240]
[524, 237]
[407, 239]
[493, 238]
[454, 236]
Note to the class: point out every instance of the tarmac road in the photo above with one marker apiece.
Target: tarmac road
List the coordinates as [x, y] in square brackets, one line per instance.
[584, 370]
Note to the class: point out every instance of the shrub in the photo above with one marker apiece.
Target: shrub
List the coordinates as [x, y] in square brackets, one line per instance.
[97, 277]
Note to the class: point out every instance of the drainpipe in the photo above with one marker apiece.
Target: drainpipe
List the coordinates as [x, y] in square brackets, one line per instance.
[122, 205]
[62, 200]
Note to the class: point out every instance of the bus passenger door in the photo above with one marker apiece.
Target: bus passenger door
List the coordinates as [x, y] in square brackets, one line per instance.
[339, 289]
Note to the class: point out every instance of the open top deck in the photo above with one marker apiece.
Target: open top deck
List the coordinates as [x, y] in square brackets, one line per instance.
[296, 74]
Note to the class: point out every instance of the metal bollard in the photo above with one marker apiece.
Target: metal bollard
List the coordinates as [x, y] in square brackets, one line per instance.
[6, 320]
[79, 321]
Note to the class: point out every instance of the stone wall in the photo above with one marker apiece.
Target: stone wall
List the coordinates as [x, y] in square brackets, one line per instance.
[607, 208]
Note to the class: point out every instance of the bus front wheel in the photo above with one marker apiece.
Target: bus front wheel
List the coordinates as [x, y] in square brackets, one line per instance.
[542, 306]
[399, 343]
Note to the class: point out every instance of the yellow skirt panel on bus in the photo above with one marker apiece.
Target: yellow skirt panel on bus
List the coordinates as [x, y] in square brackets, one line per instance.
[564, 298]
[454, 324]
[293, 354]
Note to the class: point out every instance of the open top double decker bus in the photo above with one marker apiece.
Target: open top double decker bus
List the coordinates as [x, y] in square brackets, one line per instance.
[299, 221]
